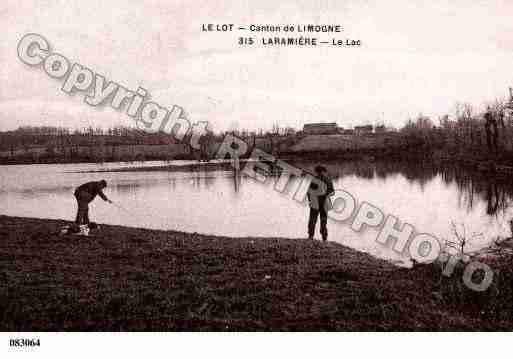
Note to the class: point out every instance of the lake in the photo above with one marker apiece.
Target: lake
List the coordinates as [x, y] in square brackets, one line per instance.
[217, 202]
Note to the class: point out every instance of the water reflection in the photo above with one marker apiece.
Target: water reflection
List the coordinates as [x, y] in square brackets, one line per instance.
[222, 202]
[472, 186]
[125, 188]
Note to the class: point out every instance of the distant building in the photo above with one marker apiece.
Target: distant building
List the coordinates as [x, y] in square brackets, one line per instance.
[330, 128]
[363, 130]
[380, 129]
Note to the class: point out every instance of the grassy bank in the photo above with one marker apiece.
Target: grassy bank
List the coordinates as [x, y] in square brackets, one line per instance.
[137, 279]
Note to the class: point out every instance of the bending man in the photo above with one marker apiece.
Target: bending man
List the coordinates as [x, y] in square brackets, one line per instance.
[84, 195]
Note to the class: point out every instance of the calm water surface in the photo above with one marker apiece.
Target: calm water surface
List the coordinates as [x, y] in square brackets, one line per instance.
[214, 202]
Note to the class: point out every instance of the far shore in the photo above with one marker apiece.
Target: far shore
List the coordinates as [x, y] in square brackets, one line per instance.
[139, 279]
[482, 164]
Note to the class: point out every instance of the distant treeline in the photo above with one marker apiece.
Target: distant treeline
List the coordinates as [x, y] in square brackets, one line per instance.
[467, 136]
[58, 144]
[46, 136]
[46, 144]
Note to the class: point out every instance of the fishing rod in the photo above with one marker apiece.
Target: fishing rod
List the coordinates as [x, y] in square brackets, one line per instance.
[137, 217]
[134, 216]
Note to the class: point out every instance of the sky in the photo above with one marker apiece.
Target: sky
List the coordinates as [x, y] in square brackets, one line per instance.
[416, 57]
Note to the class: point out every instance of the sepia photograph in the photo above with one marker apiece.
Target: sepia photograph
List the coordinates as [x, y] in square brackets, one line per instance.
[255, 166]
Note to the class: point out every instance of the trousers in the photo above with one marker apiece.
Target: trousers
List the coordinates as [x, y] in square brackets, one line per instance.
[312, 222]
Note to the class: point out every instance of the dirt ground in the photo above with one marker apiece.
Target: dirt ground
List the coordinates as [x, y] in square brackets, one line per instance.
[136, 279]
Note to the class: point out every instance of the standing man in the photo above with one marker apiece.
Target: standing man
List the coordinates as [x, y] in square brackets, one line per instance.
[84, 195]
[319, 202]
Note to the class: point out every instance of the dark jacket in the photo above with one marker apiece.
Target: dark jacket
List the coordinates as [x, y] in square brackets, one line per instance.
[89, 190]
[320, 198]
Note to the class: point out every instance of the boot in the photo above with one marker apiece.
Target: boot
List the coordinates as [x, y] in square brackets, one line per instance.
[84, 230]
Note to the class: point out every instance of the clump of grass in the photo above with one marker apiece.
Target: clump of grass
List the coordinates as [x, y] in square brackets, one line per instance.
[495, 304]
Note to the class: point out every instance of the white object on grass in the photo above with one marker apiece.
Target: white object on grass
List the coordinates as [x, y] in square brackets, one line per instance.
[84, 230]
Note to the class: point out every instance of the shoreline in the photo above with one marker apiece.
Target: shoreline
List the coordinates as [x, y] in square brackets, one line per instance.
[127, 279]
[482, 165]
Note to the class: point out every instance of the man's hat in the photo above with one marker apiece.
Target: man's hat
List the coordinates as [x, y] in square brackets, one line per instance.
[320, 169]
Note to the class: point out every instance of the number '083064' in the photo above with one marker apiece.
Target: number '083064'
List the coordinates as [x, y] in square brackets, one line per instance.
[24, 342]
